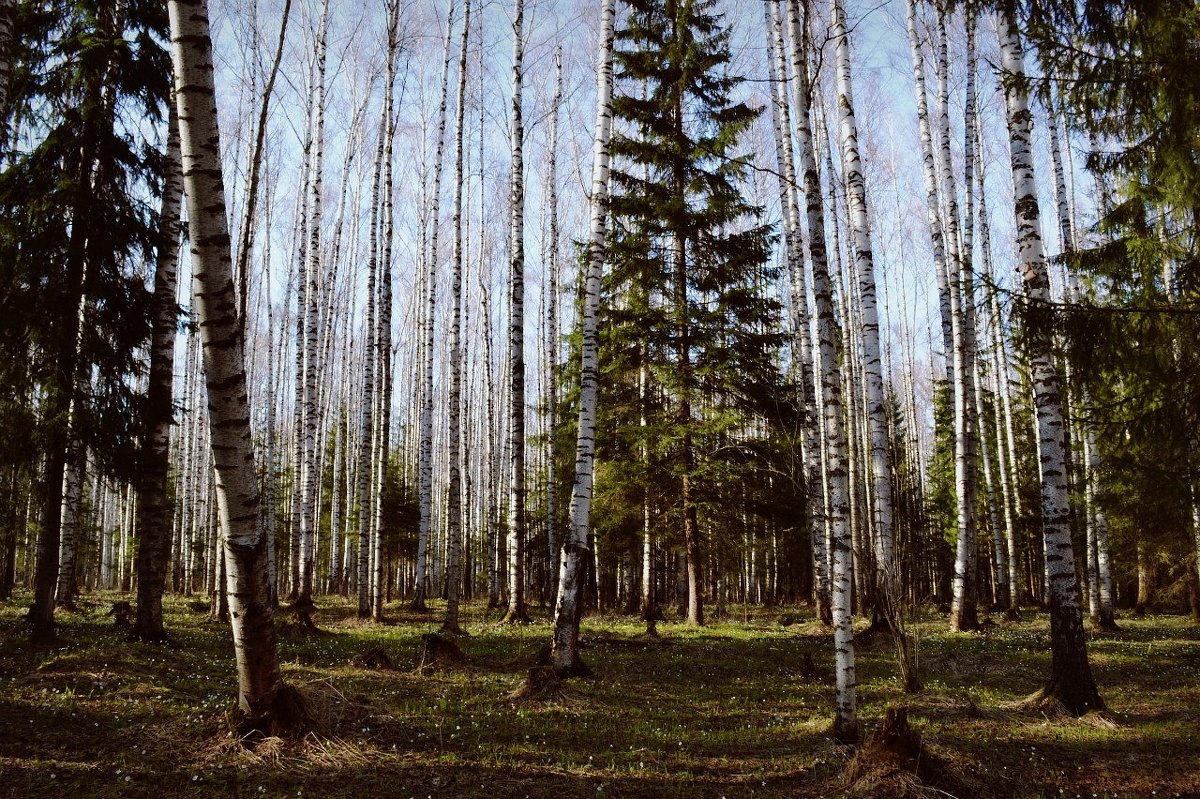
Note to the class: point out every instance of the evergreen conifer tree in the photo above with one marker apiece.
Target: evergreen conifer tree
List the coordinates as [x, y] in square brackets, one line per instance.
[689, 252]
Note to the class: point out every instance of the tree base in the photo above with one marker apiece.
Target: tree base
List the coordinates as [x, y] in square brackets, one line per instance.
[542, 685]
[894, 762]
[846, 734]
[452, 628]
[965, 625]
[516, 616]
[1055, 701]
[285, 716]
[1105, 623]
[149, 636]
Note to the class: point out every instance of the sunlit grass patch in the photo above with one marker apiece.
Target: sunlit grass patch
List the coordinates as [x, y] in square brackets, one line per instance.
[738, 708]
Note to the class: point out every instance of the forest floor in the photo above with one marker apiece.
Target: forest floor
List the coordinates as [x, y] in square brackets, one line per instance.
[740, 708]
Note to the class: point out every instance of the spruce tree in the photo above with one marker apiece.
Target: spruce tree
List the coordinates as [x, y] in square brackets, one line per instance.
[78, 202]
[689, 252]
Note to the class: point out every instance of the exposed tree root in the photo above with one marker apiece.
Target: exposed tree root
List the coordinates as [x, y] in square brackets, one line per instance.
[542, 685]
[285, 715]
[440, 653]
[1060, 696]
[136, 633]
[895, 763]
[516, 616]
[1047, 703]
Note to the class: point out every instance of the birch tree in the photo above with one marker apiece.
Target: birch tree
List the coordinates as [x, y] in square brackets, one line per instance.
[516, 613]
[425, 448]
[260, 688]
[846, 727]
[552, 538]
[1071, 680]
[309, 476]
[873, 388]
[565, 646]
[454, 504]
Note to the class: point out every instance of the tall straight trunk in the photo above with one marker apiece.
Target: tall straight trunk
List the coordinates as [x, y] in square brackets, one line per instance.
[153, 516]
[691, 527]
[383, 327]
[1005, 439]
[649, 603]
[312, 333]
[366, 419]
[271, 466]
[971, 154]
[516, 341]
[800, 318]
[425, 448]
[846, 725]
[873, 390]
[251, 613]
[454, 505]
[552, 539]
[1071, 678]
[565, 646]
[340, 469]
[963, 610]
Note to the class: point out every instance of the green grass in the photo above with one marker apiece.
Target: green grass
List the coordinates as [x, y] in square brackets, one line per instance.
[727, 710]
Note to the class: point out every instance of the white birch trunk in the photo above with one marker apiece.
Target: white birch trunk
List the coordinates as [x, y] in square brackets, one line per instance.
[846, 725]
[963, 610]
[454, 504]
[383, 327]
[856, 198]
[565, 646]
[366, 419]
[552, 538]
[790, 206]
[425, 448]
[1071, 678]
[251, 613]
[309, 477]
[516, 339]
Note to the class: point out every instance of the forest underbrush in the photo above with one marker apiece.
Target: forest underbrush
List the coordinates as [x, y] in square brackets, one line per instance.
[739, 708]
